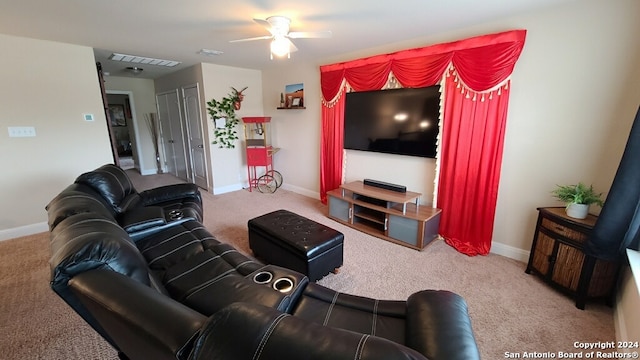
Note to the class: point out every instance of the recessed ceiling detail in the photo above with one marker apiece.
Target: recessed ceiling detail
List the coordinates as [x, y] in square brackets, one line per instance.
[143, 60]
[209, 52]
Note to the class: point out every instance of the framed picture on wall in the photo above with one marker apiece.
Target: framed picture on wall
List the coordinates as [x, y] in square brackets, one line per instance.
[117, 116]
[295, 95]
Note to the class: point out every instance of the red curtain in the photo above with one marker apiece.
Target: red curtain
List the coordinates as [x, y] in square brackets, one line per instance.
[332, 133]
[472, 137]
[475, 71]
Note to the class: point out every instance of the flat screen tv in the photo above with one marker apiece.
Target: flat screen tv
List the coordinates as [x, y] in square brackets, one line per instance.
[395, 121]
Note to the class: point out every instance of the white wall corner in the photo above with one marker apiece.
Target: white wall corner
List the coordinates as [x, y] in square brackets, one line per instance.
[23, 231]
[510, 252]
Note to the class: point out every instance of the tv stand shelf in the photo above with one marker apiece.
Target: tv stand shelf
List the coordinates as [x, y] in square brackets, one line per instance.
[389, 215]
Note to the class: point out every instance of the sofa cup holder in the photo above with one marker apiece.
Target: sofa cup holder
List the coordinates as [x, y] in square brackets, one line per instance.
[283, 285]
[175, 215]
[263, 277]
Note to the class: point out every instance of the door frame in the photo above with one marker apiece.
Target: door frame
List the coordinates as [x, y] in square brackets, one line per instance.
[203, 130]
[136, 132]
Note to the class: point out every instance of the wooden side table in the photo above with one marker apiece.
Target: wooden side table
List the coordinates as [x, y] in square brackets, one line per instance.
[557, 255]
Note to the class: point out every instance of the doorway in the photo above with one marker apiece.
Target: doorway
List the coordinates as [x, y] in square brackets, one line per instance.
[182, 135]
[122, 119]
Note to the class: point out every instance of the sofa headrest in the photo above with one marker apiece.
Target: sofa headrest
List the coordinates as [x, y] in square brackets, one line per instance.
[114, 185]
[83, 242]
[77, 199]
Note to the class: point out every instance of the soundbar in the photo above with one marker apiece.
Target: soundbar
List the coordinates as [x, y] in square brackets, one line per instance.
[385, 185]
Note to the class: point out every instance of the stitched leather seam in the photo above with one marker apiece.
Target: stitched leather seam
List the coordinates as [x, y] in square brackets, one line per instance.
[243, 263]
[82, 222]
[360, 348]
[164, 241]
[196, 289]
[172, 251]
[85, 196]
[192, 269]
[86, 234]
[375, 318]
[333, 302]
[266, 336]
[115, 177]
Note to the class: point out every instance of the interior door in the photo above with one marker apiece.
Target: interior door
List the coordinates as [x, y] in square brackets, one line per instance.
[195, 131]
[172, 134]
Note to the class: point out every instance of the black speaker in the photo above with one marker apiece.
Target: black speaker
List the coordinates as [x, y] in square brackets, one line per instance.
[385, 185]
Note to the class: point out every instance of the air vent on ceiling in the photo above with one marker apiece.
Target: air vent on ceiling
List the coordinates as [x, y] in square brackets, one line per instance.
[209, 52]
[143, 60]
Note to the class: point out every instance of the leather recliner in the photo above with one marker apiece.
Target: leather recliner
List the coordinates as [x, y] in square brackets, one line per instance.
[173, 291]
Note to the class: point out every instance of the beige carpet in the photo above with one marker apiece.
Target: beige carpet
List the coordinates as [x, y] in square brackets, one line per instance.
[511, 311]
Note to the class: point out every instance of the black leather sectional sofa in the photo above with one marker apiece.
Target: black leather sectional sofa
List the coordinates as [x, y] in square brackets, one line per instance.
[143, 271]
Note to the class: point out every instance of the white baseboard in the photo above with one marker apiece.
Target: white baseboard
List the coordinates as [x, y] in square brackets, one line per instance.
[148, 171]
[510, 252]
[226, 189]
[23, 231]
[301, 191]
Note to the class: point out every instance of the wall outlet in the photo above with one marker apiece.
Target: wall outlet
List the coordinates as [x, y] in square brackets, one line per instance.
[22, 131]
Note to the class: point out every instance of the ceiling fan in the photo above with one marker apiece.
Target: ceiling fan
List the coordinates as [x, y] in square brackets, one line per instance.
[281, 44]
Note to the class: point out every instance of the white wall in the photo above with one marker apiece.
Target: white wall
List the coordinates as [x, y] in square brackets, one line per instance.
[229, 165]
[144, 99]
[295, 131]
[50, 93]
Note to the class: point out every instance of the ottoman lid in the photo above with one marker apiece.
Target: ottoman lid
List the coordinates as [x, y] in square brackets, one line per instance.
[297, 232]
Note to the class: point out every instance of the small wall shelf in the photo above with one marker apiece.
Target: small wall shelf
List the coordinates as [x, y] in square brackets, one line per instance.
[291, 108]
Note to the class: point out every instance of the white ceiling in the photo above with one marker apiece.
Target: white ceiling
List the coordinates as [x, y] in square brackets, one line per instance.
[178, 29]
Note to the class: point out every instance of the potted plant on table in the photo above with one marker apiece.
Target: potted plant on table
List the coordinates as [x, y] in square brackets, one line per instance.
[578, 199]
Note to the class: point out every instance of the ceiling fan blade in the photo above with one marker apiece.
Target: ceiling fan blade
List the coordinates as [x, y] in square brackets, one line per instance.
[310, 34]
[267, 25]
[252, 39]
[263, 22]
[292, 47]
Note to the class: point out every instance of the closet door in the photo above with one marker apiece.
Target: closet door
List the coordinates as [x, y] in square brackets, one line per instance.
[172, 134]
[195, 131]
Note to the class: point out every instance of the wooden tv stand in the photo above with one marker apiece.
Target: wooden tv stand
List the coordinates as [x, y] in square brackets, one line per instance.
[389, 215]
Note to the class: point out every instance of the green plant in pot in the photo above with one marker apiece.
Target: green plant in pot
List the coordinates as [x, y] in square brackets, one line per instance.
[578, 199]
[223, 113]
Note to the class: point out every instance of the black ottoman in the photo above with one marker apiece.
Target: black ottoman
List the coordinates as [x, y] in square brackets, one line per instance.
[289, 240]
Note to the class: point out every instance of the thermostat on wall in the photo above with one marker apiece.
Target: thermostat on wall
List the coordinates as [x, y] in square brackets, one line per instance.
[88, 117]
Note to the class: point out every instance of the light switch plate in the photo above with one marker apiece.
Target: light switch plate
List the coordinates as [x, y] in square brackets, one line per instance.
[22, 131]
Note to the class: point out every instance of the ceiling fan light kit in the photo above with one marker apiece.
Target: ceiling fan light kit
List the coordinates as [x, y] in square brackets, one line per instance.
[280, 47]
[281, 44]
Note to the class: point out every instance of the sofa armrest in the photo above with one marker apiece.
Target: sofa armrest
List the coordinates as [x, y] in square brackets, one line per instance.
[142, 218]
[140, 321]
[250, 331]
[439, 326]
[169, 193]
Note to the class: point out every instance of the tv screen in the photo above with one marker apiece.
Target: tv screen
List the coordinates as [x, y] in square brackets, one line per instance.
[395, 121]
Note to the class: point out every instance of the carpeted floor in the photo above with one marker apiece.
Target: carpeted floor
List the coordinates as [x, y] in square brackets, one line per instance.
[511, 311]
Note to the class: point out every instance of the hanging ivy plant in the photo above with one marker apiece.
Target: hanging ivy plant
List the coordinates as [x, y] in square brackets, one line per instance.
[225, 108]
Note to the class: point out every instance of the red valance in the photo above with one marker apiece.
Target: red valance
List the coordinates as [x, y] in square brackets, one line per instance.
[482, 63]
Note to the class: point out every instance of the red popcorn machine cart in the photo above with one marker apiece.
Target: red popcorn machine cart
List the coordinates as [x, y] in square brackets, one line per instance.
[260, 153]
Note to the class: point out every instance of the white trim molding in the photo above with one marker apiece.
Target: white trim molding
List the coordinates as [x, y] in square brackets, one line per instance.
[510, 252]
[23, 231]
